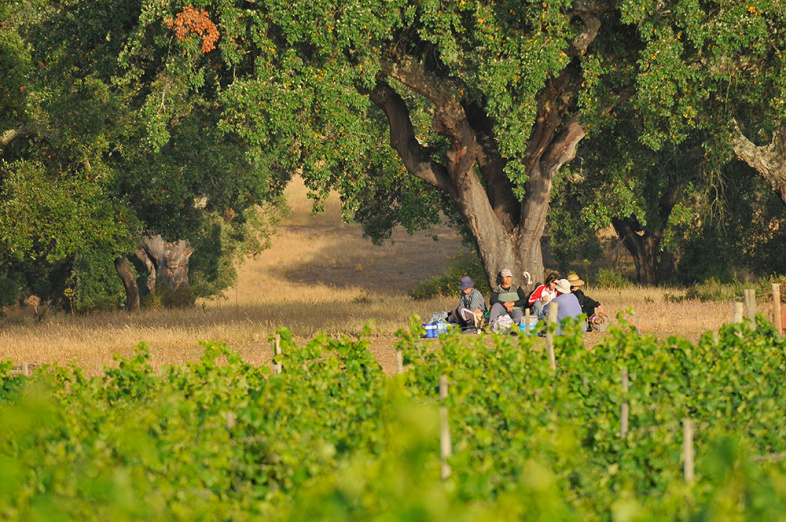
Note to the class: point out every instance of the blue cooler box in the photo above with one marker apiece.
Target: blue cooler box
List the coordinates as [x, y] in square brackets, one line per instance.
[533, 322]
[431, 330]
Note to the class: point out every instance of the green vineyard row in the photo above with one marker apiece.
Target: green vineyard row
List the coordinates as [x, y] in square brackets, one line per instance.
[332, 437]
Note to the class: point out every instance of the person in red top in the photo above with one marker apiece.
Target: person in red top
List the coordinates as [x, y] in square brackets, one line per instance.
[543, 294]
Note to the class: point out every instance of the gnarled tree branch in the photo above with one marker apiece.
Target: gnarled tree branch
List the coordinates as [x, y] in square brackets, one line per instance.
[402, 138]
[10, 135]
[768, 160]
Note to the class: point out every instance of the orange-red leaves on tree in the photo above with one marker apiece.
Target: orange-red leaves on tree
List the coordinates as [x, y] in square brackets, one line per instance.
[195, 21]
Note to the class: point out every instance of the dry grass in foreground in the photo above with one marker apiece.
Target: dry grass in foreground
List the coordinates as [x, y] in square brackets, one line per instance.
[319, 275]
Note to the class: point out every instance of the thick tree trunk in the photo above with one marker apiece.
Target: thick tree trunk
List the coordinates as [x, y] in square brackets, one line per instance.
[507, 232]
[495, 245]
[769, 160]
[126, 274]
[642, 246]
[166, 262]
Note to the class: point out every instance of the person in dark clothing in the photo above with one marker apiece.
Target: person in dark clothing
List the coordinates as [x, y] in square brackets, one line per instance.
[507, 299]
[589, 306]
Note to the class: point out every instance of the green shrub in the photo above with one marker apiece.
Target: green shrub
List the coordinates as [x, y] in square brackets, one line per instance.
[607, 278]
[714, 289]
[673, 298]
[764, 286]
[95, 283]
[164, 297]
[717, 289]
[10, 385]
[447, 283]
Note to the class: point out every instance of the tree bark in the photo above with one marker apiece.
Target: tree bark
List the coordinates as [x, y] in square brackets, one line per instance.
[126, 274]
[643, 247]
[457, 178]
[167, 263]
[8, 136]
[768, 160]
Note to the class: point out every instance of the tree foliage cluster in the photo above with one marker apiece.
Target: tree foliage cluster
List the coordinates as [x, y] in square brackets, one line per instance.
[121, 120]
[673, 166]
[91, 164]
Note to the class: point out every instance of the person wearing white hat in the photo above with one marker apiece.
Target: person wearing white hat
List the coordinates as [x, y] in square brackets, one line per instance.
[568, 305]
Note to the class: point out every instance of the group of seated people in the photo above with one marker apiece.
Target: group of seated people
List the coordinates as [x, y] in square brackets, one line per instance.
[511, 300]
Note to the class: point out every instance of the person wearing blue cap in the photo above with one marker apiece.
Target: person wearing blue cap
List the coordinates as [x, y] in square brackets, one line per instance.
[471, 305]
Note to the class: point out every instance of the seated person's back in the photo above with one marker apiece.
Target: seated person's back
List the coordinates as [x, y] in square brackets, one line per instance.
[567, 305]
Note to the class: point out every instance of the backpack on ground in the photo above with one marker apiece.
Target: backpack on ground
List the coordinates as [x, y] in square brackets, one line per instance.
[599, 322]
[502, 324]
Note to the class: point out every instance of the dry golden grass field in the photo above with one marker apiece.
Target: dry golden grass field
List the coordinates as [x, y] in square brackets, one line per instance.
[319, 275]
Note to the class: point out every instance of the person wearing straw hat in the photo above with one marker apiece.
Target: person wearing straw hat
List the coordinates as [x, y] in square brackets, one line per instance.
[588, 305]
[567, 305]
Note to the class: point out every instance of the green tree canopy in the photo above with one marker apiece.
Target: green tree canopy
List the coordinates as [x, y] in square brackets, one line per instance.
[91, 164]
[716, 66]
[479, 103]
[708, 85]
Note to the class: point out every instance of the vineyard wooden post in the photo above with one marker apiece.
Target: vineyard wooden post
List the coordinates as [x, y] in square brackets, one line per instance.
[276, 352]
[552, 318]
[25, 370]
[231, 420]
[687, 449]
[776, 303]
[399, 362]
[624, 409]
[526, 321]
[444, 428]
[737, 313]
[750, 306]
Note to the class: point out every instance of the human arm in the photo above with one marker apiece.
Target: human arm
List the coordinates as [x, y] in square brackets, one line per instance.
[588, 305]
[477, 302]
[591, 302]
[515, 299]
[494, 298]
[586, 301]
[536, 294]
[522, 300]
